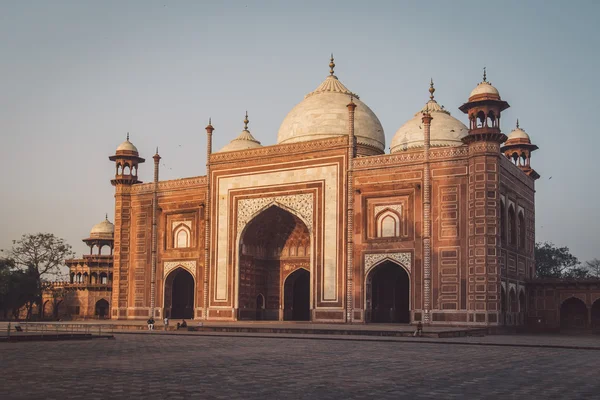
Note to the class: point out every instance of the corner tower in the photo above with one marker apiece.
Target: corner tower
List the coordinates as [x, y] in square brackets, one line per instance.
[518, 149]
[484, 139]
[127, 160]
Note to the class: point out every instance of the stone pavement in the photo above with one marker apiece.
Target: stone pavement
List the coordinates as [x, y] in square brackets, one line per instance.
[211, 367]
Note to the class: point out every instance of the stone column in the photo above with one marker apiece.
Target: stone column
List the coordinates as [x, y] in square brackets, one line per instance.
[207, 211]
[154, 235]
[426, 119]
[350, 222]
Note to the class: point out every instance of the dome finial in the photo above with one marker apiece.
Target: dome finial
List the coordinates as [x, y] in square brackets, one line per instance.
[431, 89]
[331, 65]
[209, 120]
[106, 216]
[246, 122]
[517, 123]
[484, 75]
[128, 136]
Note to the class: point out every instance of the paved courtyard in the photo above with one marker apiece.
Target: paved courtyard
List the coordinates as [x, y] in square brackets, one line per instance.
[175, 366]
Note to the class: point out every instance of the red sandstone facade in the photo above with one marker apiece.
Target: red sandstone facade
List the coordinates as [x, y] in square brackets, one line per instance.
[327, 228]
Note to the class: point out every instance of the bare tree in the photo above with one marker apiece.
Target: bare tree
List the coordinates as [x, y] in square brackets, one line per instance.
[593, 267]
[41, 257]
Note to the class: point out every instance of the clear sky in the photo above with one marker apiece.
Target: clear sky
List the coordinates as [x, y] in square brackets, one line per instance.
[76, 76]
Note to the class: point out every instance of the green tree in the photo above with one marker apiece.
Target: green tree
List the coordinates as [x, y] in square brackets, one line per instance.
[555, 262]
[40, 257]
[16, 288]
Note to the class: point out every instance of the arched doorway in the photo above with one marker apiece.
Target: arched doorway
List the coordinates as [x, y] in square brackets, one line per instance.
[522, 307]
[573, 314]
[388, 294]
[179, 294]
[260, 306]
[296, 296]
[273, 242]
[596, 316]
[101, 309]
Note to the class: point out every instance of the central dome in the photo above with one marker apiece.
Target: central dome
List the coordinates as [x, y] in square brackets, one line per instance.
[324, 114]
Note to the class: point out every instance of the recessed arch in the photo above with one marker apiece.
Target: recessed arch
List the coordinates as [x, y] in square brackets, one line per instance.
[388, 223]
[596, 315]
[274, 235]
[573, 314]
[179, 294]
[296, 296]
[511, 226]
[102, 309]
[181, 236]
[521, 228]
[387, 292]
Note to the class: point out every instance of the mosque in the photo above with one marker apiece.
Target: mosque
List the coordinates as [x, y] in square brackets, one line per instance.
[324, 226]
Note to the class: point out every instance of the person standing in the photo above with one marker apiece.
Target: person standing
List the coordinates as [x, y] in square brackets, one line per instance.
[166, 321]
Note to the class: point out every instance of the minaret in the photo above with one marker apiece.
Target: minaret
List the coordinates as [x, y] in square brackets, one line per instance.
[156, 158]
[126, 159]
[426, 119]
[207, 210]
[484, 139]
[350, 232]
[518, 149]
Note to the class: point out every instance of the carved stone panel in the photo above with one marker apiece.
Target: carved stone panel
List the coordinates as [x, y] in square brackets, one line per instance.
[373, 259]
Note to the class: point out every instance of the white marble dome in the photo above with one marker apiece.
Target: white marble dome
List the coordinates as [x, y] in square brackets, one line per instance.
[127, 146]
[324, 114]
[485, 88]
[518, 134]
[244, 141]
[103, 230]
[445, 130]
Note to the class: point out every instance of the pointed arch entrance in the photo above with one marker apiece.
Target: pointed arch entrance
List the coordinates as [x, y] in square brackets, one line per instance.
[596, 316]
[573, 314]
[101, 309]
[388, 294]
[296, 296]
[273, 244]
[179, 294]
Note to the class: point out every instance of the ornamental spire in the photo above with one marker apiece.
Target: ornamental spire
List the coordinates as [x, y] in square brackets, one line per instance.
[517, 123]
[484, 75]
[431, 89]
[331, 65]
[246, 122]
[128, 136]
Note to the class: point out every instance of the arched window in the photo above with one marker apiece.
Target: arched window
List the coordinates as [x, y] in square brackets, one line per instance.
[126, 170]
[388, 224]
[182, 237]
[502, 222]
[103, 278]
[78, 278]
[521, 229]
[512, 229]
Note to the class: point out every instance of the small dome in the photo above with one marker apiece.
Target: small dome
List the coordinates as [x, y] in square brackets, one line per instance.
[244, 141]
[445, 130]
[518, 135]
[103, 230]
[485, 88]
[324, 114]
[484, 91]
[127, 146]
